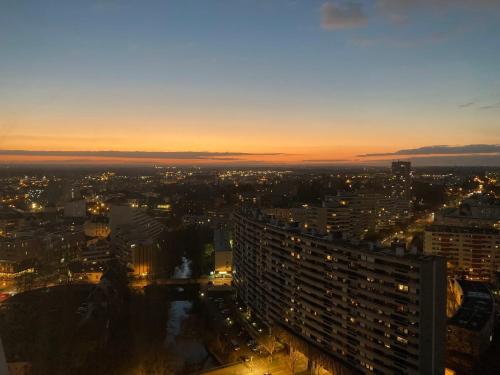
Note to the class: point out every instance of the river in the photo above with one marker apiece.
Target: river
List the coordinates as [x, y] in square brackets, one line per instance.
[181, 339]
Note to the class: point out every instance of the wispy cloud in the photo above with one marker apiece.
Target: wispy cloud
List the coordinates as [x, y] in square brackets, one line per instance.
[490, 106]
[442, 150]
[401, 9]
[347, 14]
[352, 13]
[181, 155]
[480, 104]
[447, 160]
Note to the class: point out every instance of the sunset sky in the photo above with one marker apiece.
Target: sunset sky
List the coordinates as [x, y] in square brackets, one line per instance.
[250, 81]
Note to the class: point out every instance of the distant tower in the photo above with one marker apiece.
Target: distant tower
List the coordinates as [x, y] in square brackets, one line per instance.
[401, 168]
[401, 174]
[401, 186]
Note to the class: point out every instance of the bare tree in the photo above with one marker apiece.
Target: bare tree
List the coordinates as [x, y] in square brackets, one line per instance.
[269, 344]
[292, 360]
[156, 362]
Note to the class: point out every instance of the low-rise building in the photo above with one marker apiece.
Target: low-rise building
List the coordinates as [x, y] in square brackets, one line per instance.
[470, 328]
[222, 252]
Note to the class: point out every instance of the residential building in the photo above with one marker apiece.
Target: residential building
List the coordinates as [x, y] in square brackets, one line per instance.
[75, 208]
[378, 311]
[222, 252]
[470, 328]
[477, 211]
[471, 252]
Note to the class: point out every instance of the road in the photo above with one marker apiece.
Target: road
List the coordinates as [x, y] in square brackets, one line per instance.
[260, 366]
[417, 224]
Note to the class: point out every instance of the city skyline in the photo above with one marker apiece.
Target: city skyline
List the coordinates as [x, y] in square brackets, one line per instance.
[283, 82]
[222, 187]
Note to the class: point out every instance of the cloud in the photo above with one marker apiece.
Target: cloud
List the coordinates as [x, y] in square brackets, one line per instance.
[354, 13]
[347, 14]
[446, 161]
[443, 150]
[490, 106]
[478, 105]
[400, 9]
[178, 155]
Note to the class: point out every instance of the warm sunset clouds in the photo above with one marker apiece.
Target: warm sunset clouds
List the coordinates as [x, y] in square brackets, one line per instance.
[281, 82]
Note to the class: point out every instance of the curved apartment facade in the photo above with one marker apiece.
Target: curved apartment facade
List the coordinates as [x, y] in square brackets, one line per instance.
[376, 311]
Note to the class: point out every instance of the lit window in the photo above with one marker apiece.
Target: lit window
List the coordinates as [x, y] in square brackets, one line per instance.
[403, 288]
[402, 340]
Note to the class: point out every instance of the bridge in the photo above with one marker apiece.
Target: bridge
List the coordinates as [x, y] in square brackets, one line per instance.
[182, 289]
[142, 283]
[202, 281]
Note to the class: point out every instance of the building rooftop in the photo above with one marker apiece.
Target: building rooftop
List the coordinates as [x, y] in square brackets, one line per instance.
[456, 229]
[358, 245]
[477, 306]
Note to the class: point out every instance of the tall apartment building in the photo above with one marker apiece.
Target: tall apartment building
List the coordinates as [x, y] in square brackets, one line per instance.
[401, 186]
[376, 311]
[345, 215]
[355, 214]
[473, 252]
[401, 176]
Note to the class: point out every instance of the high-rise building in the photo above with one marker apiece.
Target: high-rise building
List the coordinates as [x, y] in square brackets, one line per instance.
[378, 311]
[401, 186]
[345, 215]
[401, 171]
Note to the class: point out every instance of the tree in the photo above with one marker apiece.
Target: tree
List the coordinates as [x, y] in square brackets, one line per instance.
[155, 362]
[269, 344]
[292, 360]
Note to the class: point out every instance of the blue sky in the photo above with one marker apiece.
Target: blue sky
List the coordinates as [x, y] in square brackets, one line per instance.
[310, 78]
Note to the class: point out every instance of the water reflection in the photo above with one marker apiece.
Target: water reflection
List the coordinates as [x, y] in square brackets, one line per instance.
[182, 339]
[179, 309]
